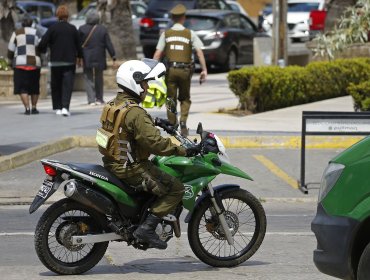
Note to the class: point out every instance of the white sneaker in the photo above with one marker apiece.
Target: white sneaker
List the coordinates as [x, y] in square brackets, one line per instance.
[58, 112]
[65, 112]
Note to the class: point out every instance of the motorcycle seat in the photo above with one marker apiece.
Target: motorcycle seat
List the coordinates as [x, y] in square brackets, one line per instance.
[99, 172]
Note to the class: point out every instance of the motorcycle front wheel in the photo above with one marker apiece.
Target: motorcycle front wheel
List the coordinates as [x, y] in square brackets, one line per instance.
[54, 231]
[246, 219]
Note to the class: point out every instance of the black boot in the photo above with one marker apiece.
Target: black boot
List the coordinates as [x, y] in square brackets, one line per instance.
[146, 232]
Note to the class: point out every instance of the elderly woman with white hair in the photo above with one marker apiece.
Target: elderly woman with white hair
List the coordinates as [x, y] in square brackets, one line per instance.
[95, 40]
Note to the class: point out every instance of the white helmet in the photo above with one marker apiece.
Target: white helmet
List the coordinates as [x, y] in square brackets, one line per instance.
[131, 73]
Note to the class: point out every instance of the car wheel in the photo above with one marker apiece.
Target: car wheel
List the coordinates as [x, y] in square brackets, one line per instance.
[363, 271]
[231, 60]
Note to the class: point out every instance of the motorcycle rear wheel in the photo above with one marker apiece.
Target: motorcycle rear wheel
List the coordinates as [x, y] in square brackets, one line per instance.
[53, 233]
[244, 214]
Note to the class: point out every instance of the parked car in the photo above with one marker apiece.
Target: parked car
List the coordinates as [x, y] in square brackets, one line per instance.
[44, 12]
[227, 36]
[156, 19]
[20, 12]
[342, 221]
[297, 18]
[237, 7]
[138, 9]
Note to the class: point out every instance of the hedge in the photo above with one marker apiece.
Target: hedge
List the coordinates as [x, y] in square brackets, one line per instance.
[266, 88]
[361, 95]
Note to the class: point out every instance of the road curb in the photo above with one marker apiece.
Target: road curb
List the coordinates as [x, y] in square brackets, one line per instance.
[289, 142]
[8, 201]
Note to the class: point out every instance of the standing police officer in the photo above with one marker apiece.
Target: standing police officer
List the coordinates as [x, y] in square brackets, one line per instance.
[177, 44]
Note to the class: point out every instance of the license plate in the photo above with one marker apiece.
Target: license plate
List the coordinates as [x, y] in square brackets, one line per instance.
[45, 188]
[162, 25]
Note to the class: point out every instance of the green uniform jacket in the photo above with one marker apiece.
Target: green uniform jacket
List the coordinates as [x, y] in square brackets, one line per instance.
[145, 139]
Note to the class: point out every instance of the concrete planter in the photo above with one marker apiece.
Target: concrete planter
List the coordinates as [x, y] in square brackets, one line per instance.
[355, 50]
[7, 85]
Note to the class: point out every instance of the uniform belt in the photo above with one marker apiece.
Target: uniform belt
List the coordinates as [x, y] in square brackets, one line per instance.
[180, 65]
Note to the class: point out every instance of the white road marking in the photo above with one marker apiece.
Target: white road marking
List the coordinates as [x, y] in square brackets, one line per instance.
[272, 233]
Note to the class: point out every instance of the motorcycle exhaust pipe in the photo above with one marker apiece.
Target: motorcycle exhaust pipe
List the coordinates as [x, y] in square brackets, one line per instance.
[89, 197]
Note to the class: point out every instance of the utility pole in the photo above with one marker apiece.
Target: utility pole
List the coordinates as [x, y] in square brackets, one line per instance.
[279, 32]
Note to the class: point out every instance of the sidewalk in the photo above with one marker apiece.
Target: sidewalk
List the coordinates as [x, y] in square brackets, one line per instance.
[25, 137]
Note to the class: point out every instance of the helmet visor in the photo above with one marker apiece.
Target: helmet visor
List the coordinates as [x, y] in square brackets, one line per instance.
[157, 69]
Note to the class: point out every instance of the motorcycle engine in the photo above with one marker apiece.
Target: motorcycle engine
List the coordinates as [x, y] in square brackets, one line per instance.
[164, 231]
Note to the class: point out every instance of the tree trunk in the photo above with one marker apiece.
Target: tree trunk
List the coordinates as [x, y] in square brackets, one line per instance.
[116, 15]
[335, 11]
[7, 18]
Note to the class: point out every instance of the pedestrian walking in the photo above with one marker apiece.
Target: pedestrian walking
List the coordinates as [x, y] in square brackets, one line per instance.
[177, 44]
[65, 51]
[95, 40]
[26, 63]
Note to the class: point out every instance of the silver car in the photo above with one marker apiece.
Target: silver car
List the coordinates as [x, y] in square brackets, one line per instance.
[297, 18]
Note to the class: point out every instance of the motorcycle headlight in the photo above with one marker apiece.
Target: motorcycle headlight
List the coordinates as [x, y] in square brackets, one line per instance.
[329, 178]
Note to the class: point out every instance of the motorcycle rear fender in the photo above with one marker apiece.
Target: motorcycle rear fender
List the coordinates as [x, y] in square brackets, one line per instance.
[38, 200]
[218, 190]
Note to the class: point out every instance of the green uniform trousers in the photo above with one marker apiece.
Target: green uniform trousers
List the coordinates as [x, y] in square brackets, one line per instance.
[149, 177]
[178, 80]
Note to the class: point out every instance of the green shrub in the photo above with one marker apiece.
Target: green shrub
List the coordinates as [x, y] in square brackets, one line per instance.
[266, 88]
[361, 95]
[4, 64]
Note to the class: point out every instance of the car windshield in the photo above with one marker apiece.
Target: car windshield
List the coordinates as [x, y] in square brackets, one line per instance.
[45, 11]
[84, 12]
[302, 7]
[200, 23]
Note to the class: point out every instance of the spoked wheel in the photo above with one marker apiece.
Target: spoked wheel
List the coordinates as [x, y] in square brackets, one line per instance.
[246, 219]
[53, 237]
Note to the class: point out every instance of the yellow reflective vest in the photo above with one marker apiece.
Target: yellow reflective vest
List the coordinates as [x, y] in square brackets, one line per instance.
[157, 94]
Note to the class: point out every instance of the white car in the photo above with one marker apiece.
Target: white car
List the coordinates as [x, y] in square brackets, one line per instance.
[138, 9]
[297, 18]
[236, 6]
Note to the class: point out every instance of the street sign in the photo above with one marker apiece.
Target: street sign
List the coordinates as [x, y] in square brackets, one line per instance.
[330, 123]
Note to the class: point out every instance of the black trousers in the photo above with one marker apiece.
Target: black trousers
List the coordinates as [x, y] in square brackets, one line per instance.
[62, 78]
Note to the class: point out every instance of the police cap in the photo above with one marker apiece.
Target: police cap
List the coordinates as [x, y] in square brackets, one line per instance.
[178, 10]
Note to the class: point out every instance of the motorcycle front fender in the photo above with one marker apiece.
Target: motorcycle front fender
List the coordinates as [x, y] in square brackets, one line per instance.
[217, 190]
[231, 170]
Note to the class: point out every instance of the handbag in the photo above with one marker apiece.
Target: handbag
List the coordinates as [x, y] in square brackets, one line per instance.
[89, 36]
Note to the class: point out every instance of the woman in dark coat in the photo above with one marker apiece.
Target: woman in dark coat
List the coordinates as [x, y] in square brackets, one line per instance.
[65, 50]
[95, 40]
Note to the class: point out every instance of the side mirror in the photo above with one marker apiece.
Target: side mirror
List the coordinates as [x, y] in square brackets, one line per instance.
[200, 129]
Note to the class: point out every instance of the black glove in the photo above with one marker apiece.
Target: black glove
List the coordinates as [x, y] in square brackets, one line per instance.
[193, 151]
[160, 122]
[165, 124]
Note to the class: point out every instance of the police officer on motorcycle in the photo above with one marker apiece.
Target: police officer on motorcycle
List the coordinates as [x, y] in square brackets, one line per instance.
[136, 138]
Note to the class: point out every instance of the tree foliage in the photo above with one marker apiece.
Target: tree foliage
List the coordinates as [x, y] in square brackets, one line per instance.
[353, 27]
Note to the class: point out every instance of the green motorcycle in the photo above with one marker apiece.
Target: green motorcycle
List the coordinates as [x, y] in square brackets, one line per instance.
[227, 224]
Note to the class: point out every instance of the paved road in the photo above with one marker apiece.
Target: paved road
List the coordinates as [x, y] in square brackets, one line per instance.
[273, 170]
[286, 252]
